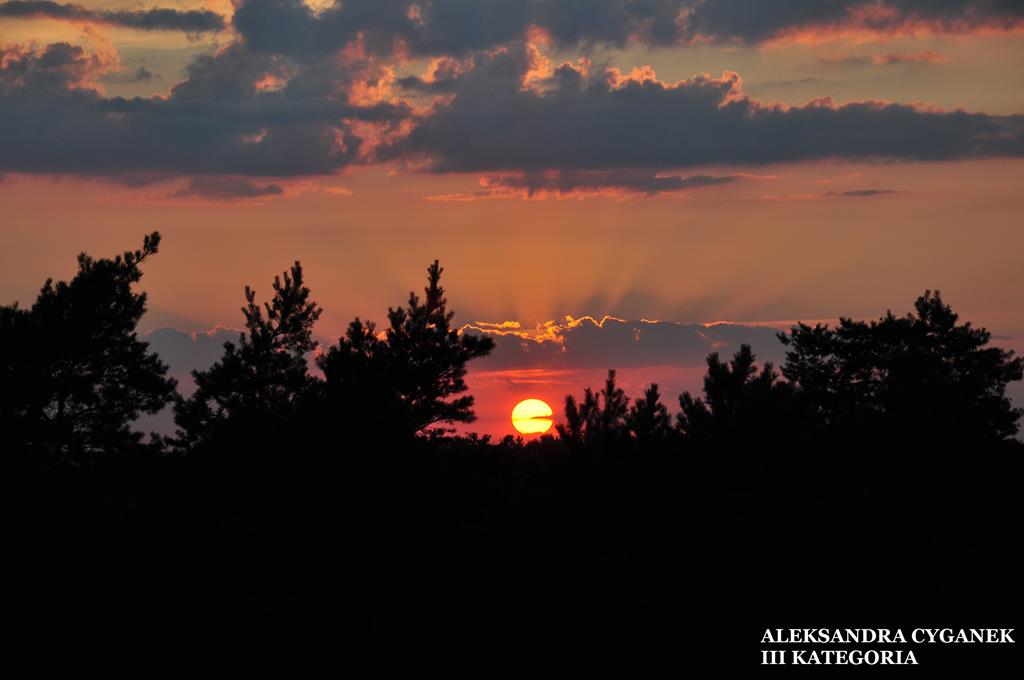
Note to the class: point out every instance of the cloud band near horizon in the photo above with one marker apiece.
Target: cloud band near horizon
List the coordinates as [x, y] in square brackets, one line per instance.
[193, 21]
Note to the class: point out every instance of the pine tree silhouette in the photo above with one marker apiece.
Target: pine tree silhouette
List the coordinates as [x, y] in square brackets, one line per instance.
[738, 401]
[412, 374]
[600, 417]
[648, 418]
[922, 373]
[261, 383]
[75, 376]
[886, 445]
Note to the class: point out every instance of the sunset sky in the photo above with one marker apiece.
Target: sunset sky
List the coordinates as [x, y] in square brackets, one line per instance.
[669, 164]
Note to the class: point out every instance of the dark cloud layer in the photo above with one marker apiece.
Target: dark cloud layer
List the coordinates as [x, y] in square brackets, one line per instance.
[439, 27]
[282, 103]
[436, 27]
[217, 121]
[157, 19]
[618, 343]
[187, 351]
[604, 121]
[581, 345]
[753, 21]
[614, 344]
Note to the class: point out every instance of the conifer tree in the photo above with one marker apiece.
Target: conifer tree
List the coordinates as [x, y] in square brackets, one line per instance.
[648, 418]
[738, 401]
[74, 374]
[260, 383]
[924, 373]
[600, 416]
[409, 377]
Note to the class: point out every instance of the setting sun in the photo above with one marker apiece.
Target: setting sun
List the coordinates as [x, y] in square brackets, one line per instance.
[532, 416]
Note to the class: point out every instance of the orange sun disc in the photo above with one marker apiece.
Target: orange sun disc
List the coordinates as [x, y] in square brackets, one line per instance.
[532, 416]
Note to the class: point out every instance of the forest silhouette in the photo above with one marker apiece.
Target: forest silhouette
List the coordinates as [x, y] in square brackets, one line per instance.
[870, 480]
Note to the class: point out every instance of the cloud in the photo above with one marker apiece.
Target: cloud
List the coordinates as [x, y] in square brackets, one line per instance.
[603, 119]
[755, 21]
[227, 188]
[845, 59]
[193, 21]
[438, 27]
[861, 193]
[456, 27]
[223, 118]
[922, 57]
[187, 351]
[59, 67]
[530, 127]
[791, 82]
[618, 343]
[139, 75]
[550, 361]
[583, 184]
[183, 352]
[632, 181]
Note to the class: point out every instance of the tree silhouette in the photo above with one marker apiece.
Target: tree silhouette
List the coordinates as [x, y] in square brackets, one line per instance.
[738, 401]
[262, 381]
[580, 418]
[412, 374]
[922, 373]
[599, 417]
[648, 419]
[887, 444]
[75, 376]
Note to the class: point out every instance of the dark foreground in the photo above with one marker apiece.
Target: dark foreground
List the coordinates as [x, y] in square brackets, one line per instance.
[325, 520]
[464, 559]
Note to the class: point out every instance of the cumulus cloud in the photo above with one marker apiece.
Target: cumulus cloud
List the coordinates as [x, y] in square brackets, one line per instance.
[259, 108]
[58, 66]
[193, 21]
[604, 119]
[229, 116]
[445, 27]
